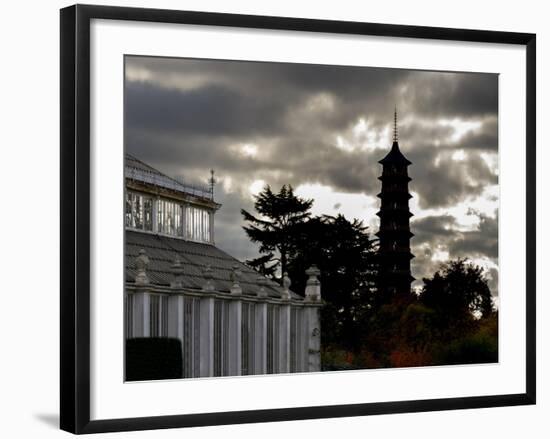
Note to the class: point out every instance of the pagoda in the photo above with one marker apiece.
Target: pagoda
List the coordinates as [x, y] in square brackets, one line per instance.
[395, 234]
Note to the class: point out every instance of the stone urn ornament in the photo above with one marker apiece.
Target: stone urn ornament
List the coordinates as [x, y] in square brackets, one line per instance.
[235, 277]
[142, 262]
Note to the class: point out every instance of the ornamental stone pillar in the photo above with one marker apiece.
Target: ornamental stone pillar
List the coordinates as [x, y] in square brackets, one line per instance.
[175, 304]
[262, 282]
[177, 270]
[208, 275]
[234, 337]
[302, 340]
[175, 316]
[286, 287]
[313, 285]
[140, 312]
[313, 338]
[140, 298]
[260, 329]
[206, 368]
[235, 278]
[313, 320]
[284, 339]
[142, 262]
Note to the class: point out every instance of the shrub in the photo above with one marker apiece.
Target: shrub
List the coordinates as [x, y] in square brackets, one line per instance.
[334, 358]
[406, 357]
[477, 348]
[153, 359]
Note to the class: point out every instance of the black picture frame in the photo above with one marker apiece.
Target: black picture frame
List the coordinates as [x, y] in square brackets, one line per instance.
[75, 217]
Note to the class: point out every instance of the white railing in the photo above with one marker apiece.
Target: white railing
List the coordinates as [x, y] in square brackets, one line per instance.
[164, 181]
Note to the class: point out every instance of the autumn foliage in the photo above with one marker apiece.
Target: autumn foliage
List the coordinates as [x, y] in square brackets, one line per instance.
[452, 321]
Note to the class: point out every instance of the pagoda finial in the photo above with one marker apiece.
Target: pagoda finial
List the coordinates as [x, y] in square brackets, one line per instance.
[395, 137]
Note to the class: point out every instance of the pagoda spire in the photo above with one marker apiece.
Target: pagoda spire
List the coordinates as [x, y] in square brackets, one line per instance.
[395, 234]
[395, 136]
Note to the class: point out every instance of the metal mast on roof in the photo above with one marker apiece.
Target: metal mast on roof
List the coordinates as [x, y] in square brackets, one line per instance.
[212, 182]
[395, 137]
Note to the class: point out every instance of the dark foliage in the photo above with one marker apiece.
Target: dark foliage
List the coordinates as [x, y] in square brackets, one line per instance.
[342, 250]
[452, 321]
[153, 359]
[456, 291]
[280, 213]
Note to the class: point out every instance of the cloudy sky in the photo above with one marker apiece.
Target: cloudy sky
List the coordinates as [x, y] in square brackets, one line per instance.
[323, 130]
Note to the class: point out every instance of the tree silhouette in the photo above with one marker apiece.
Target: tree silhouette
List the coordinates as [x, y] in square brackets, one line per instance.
[342, 249]
[345, 253]
[280, 214]
[458, 291]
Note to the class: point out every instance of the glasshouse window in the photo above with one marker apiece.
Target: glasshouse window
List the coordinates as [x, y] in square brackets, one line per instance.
[139, 211]
[170, 218]
[198, 224]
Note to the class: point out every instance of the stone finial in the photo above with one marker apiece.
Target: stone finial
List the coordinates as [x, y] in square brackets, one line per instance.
[142, 262]
[262, 282]
[313, 285]
[286, 287]
[235, 277]
[177, 270]
[208, 275]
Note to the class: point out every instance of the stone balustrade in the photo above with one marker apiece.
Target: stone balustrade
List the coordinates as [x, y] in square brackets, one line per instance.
[229, 333]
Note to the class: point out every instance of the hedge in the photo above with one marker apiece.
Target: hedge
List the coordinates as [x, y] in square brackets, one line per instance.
[153, 359]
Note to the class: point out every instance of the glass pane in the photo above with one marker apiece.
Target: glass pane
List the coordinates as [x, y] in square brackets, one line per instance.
[148, 214]
[170, 218]
[188, 222]
[206, 233]
[128, 210]
[138, 212]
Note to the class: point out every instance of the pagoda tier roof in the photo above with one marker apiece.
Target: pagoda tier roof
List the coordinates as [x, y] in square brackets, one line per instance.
[389, 232]
[393, 193]
[388, 178]
[396, 213]
[395, 157]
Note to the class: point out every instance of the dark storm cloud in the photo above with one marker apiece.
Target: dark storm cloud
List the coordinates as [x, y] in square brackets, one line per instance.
[440, 94]
[352, 84]
[482, 241]
[443, 229]
[319, 161]
[432, 228]
[188, 116]
[229, 233]
[441, 181]
[481, 139]
[465, 95]
[185, 157]
[214, 109]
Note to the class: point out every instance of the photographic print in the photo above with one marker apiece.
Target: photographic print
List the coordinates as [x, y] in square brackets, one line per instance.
[285, 218]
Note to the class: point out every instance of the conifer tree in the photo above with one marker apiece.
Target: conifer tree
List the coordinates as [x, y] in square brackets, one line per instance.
[279, 216]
